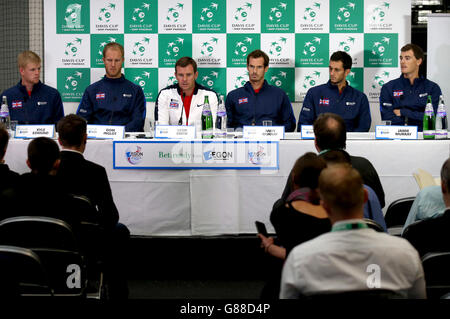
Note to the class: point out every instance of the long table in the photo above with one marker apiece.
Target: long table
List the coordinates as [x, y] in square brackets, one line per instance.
[213, 202]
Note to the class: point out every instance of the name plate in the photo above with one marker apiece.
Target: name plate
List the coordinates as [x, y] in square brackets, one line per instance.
[396, 132]
[175, 131]
[307, 132]
[263, 133]
[33, 131]
[106, 131]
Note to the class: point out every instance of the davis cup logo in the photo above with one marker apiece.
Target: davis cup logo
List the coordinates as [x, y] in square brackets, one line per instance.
[346, 45]
[257, 157]
[105, 13]
[208, 80]
[73, 16]
[71, 83]
[140, 13]
[208, 13]
[173, 13]
[71, 47]
[141, 79]
[171, 80]
[310, 13]
[173, 48]
[379, 80]
[241, 47]
[379, 48]
[241, 13]
[140, 47]
[240, 80]
[277, 80]
[276, 13]
[345, 12]
[208, 47]
[276, 47]
[134, 154]
[378, 14]
[310, 80]
[310, 48]
[102, 45]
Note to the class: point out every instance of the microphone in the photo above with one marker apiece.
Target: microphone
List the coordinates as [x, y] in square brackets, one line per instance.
[180, 121]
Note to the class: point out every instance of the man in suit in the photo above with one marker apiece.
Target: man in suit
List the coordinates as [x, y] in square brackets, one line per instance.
[431, 235]
[79, 176]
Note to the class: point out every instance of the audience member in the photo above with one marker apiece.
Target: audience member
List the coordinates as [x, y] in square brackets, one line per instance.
[352, 257]
[432, 235]
[330, 134]
[7, 177]
[427, 204]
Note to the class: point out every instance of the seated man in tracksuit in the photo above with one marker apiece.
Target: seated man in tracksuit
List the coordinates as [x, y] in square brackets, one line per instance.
[31, 101]
[258, 101]
[337, 96]
[114, 100]
[403, 100]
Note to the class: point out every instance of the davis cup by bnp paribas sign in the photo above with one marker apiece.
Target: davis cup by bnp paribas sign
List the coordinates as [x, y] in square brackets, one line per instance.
[299, 37]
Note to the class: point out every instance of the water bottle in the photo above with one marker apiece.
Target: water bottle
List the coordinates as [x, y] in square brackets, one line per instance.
[4, 113]
[429, 121]
[221, 120]
[207, 120]
[441, 120]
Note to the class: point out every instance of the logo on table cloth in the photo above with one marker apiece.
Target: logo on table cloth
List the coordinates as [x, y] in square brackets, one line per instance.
[378, 14]
[105, 13]
[140, 13]
[379, 80]
[257, 157]
[72, 47]
[310, 13]
[174, 13]
[276, 47]
[310, 79]
[242, 12]
[134, 154]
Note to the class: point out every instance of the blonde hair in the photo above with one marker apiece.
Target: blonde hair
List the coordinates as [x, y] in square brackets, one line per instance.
[26, 57]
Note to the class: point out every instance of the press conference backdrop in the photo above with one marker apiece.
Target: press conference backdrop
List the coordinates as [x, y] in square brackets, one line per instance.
[299, 36]
[438, 52]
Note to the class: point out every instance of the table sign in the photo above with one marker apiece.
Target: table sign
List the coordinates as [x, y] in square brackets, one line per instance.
[166, 154]
[396, 132]
[33, 131]
[307, 132]
[175, 131]
[263, 133]
[106, 131]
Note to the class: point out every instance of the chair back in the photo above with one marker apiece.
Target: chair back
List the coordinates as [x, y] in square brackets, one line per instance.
[398, 211]
[55, 244]
[22, 273]
[436, 267]
[374, 225]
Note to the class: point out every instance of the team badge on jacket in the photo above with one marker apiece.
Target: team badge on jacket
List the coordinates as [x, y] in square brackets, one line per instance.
[243, 100]
[16, 104]
[100, 96]
[324, 102]
[398, 93]
[173, 104]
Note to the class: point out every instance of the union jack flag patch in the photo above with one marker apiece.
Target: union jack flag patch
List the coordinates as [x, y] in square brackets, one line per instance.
[324, 101]
[16, 104]
[243, 100]
[100, 96]
[173, 104]
[398, 93]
